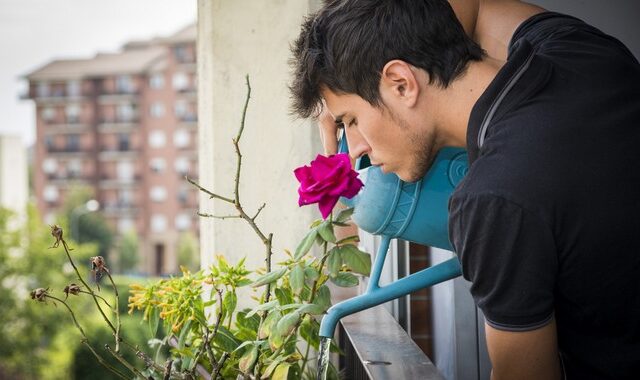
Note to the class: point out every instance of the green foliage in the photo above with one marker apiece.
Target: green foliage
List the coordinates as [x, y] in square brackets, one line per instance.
[188, 251]
[86, 227]
[30, 330]
[267, 340]
[128, 256]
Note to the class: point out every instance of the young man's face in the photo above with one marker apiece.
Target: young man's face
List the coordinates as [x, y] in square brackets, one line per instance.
[389, 140]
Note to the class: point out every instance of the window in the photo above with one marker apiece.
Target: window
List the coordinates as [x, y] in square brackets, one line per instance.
[49, 143]
[49, 166]
[124, 84]
[50, 193]
[156, 81]
[48, 113]
[125, 225]
[74, 168]
[158, 193]
[72, 112]
[183, 221]
[157, 164]
[183, 196]
[125, 170]
[125, 112]
[182, 53]
[157, 109]
[181, 108]
[43, 90]
[181, 138]
[158, 223]
[73, 143]
[123, 142]
[180, 81]
[73, 88]
[182, 165]
[125, 198]
[157, 139]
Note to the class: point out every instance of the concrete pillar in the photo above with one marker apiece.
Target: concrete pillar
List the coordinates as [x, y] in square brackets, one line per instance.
[236, 38]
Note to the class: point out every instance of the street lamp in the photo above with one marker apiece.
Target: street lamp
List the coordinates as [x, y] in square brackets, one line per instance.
[91, 206]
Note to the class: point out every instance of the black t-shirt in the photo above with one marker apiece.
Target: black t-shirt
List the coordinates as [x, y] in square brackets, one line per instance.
[547, 220]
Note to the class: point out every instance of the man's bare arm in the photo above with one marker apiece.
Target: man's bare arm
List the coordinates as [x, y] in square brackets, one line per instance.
[527, 355]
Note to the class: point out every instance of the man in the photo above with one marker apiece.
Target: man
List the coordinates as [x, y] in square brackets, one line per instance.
[546, 221]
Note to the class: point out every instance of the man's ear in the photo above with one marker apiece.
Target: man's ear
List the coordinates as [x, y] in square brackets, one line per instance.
[398, 81]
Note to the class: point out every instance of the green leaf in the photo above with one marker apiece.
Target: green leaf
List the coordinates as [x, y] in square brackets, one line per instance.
[269, 322]
[296, 278]
[316, 223]
[345, 214]
[306, 244]
[311, 308]
[154, 321]
[345, 280]
[284, 296]
[243, 282]
[275, 341]
[225, 339]
[248, 359]
[229, 303]
[243, 320]
[349, 240]
[309, 331]
[281, 372]
[262, 307]
[326, 231]
[270, 277]
[183, 334]
[287, 323]
[356, 260]
[334, 261]
[269, 370]
[323, 297]
[310, 273]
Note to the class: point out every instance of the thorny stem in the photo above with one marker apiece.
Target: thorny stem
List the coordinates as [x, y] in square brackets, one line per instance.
[93, 295]
[85, 339]
[124, 362]
[167, 370]
[102, 298]
[214, 375]
[117, 311]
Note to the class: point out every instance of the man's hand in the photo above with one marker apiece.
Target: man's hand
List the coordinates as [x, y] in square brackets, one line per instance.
[328, 132]
[524, 355]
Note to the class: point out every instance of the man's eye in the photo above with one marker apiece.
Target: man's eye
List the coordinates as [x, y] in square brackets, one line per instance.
[339, 125]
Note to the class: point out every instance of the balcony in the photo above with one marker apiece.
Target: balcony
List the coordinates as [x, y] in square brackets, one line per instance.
[65, 127]
[68, 151]
[115, 96]
[109, 182]
[119, 208]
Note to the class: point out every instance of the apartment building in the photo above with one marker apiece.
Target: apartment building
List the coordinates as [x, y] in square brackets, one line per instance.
[124, 124]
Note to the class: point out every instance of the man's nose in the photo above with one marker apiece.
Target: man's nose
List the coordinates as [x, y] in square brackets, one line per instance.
[358, 146]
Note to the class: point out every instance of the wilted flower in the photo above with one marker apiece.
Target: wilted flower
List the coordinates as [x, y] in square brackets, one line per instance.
[71, 289]
[56, 232]
[98, 268]
[40, 294]
[326, 180]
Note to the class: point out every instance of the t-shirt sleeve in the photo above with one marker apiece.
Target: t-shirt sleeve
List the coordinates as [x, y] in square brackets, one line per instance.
[508, 254]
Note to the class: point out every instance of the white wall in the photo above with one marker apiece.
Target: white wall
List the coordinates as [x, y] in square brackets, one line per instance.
[250, 37]
[14, 190]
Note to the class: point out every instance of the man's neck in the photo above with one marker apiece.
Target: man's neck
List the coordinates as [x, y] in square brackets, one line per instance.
[453, 104]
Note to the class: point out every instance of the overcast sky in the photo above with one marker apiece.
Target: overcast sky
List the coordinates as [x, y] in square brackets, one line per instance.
[33, 32]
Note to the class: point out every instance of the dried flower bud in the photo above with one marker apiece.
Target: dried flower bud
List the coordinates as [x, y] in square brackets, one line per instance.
[98, 268]
[39, 294]
[71, 289]
[56, 232]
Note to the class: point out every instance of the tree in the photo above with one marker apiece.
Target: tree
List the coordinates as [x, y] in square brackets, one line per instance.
[89, 227]
[188, 251]
[128, 252]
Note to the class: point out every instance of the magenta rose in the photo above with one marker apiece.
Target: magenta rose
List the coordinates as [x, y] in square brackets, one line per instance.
[326, 180]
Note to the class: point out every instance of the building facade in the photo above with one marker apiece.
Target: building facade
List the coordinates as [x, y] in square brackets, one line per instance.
[124, 124]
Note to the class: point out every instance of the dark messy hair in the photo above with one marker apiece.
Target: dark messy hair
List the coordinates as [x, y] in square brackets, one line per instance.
[345, 46]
